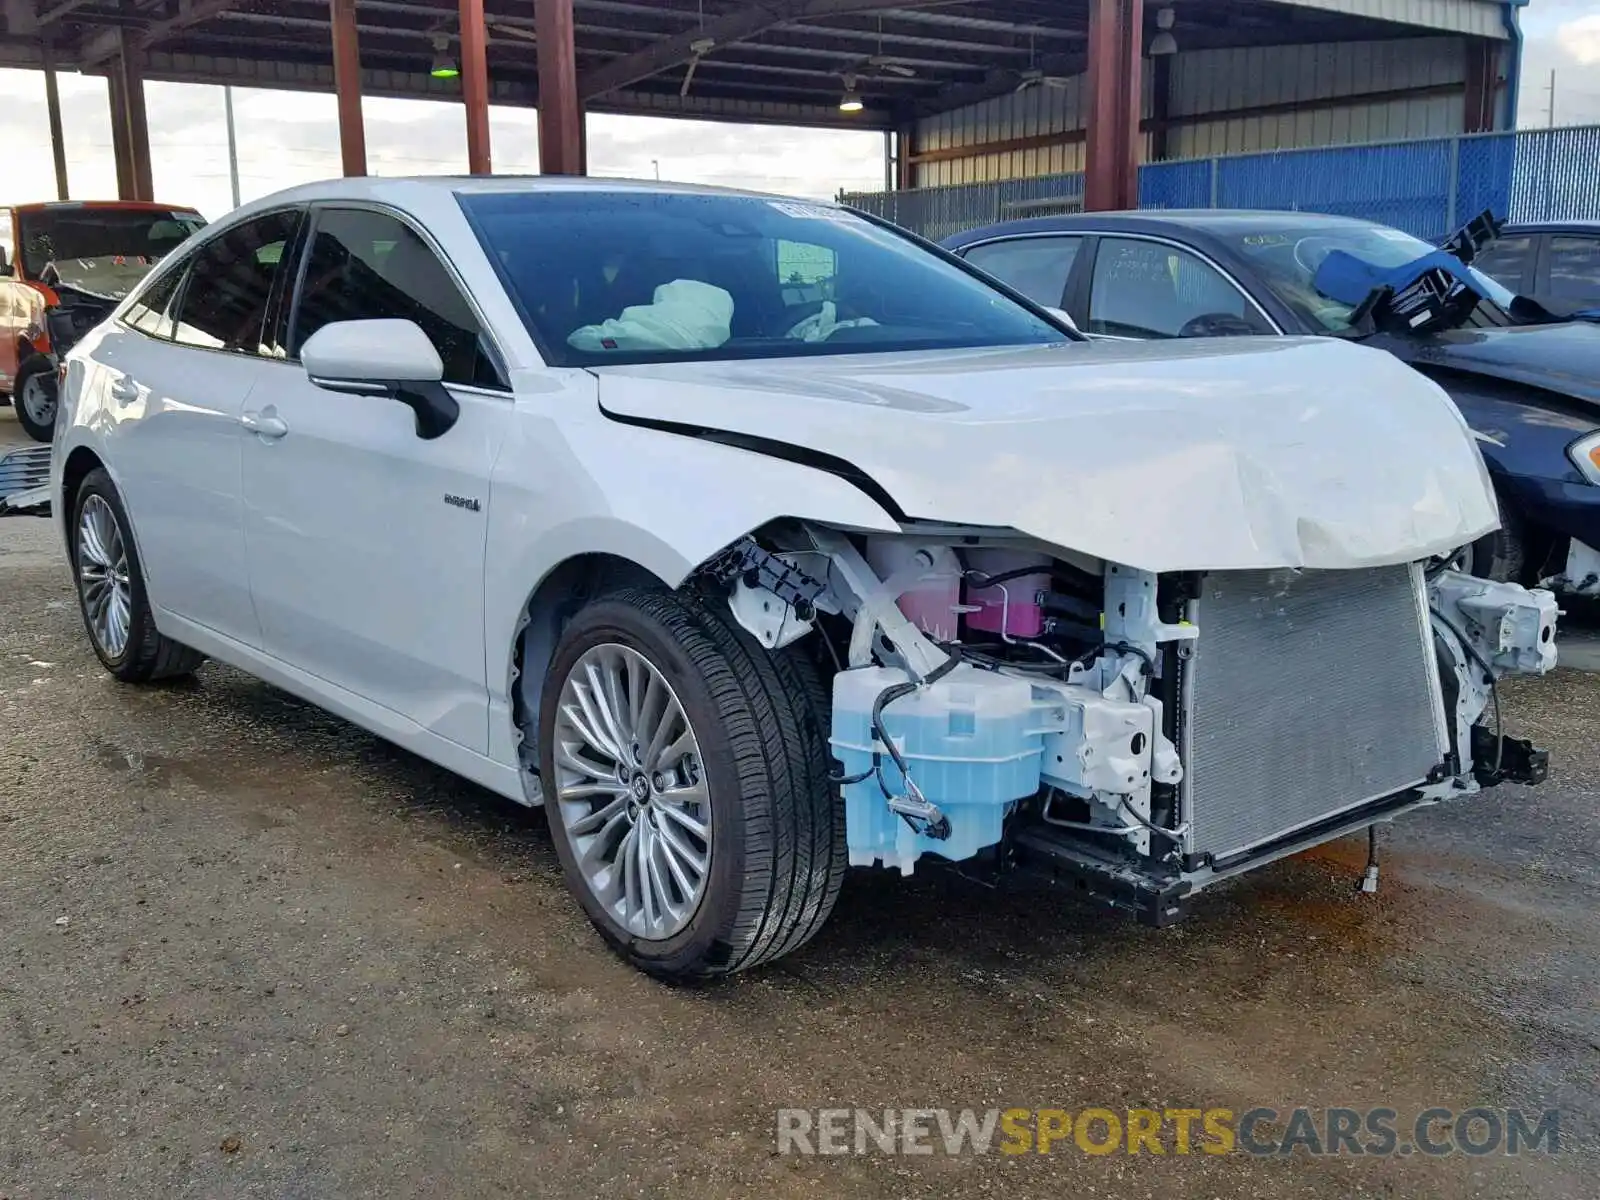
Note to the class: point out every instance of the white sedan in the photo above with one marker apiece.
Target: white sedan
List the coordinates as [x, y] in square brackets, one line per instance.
[753, 538]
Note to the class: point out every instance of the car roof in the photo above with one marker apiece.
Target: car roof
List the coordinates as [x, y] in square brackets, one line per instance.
[1213, 221]
[130, 205]
[399, 188]
[1552, 227]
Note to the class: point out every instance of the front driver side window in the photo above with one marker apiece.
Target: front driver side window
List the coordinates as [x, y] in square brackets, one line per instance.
[366, 265]
[1155, 290]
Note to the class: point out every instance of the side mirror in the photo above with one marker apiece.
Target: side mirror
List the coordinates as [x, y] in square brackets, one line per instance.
[1063, 316]
[386, 357]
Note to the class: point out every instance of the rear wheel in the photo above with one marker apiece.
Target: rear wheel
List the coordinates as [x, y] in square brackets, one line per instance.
[111, 591]
[685, 777]
[34, 396]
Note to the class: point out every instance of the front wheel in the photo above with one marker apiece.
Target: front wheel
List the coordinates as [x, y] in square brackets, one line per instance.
[34, 396]
[685, 774]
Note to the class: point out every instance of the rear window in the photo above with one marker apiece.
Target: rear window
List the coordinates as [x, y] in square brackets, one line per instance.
[102, 249]
[606, 277]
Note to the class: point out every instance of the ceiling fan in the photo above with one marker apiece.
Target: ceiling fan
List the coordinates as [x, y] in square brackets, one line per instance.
[1036, 77]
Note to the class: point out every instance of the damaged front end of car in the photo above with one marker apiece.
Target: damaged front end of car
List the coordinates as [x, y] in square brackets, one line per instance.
[1010, 706]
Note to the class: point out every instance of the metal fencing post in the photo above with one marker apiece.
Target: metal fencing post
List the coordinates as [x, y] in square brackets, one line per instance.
[1216, 181]
[1450, 221]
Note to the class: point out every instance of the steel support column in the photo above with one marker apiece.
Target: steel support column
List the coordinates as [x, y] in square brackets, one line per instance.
[475, 85]
[561, 149]
[1116, 53]
[52, 104]
[130, 130]
[905, 148]
[347, 86]
[1483, 59]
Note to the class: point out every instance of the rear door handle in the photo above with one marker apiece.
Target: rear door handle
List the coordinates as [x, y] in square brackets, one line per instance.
[262, 424]
[125, 389]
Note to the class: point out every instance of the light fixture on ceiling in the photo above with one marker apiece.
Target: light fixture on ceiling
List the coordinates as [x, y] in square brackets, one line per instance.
[850, 102]
[1164, 43]
[444, 63]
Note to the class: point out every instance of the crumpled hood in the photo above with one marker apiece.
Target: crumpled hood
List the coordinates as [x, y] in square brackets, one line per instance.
[1225, 455]
[1562, 358]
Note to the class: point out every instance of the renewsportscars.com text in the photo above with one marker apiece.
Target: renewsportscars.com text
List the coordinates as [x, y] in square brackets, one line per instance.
[1379, 1132]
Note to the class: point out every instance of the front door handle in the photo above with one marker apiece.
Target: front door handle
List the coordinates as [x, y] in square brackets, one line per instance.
[264, 424]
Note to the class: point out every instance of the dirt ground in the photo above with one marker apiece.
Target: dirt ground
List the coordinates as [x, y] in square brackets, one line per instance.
[249, 950]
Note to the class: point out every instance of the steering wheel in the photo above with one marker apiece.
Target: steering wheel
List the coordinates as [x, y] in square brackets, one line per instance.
[1217, 324]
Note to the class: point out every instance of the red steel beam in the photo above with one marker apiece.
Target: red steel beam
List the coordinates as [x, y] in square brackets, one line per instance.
[1479, 108]
[560, 113]
[1116, 53]
[347, 85]
[130, 128]
[475, 85]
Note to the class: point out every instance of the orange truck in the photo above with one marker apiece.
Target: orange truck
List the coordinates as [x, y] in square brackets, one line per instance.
[64, 266]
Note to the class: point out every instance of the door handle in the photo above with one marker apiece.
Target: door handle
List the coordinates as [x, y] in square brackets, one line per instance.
[125, 389]
[264, 425]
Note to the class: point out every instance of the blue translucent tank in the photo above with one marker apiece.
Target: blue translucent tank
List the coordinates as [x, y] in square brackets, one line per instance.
[972, 741]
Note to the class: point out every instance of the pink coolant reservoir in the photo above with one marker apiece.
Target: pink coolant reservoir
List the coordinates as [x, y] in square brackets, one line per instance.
[931, 578]
[1011, 607]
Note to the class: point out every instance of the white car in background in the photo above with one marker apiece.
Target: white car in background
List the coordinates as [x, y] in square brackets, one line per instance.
[753, 538]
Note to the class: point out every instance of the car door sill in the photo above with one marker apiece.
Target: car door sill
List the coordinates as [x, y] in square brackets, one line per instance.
[374, 718]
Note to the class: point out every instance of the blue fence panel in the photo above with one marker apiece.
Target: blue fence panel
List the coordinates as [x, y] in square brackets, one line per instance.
[1484, 170]
[1427, 188]
[1176, 184]
[1404, 185]
[1556, 176]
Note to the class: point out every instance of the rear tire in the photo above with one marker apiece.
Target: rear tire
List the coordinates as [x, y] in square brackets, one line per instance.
[33, 395]
[774, 854]
[111, 590]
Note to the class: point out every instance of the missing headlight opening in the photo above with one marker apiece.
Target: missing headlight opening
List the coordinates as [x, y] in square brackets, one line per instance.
[1134, 736]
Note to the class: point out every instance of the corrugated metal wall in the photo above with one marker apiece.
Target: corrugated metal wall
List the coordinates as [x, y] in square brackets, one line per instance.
[1311, 77]
[1038, 110]
[1484, 18]
[1207, 81]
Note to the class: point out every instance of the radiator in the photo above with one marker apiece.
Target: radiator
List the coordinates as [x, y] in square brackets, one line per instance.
[1309, 693]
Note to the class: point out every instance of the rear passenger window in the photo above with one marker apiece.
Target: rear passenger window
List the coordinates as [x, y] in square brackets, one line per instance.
[1037, 267]
[1575, 268]
[224, 304]
[368, 265]
[1506, 261]
[148, 313]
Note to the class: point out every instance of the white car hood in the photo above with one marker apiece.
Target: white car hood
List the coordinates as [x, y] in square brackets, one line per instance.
[1221, 455]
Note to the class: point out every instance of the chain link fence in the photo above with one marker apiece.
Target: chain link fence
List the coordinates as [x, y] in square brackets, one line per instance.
[1427, 187]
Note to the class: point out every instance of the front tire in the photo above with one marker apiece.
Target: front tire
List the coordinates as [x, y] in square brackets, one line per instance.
[111, 590]
[1500, 555]
[685, 775]
[34, 397]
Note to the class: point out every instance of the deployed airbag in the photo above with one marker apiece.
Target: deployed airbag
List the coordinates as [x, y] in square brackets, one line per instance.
[683, 315]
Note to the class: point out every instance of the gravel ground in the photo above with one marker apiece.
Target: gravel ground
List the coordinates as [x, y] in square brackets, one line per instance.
[249, 950]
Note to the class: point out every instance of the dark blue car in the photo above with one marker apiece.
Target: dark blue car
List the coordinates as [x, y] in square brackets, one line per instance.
[1529, 387]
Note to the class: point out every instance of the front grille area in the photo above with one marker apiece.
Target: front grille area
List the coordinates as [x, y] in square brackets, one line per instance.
[1312, 692]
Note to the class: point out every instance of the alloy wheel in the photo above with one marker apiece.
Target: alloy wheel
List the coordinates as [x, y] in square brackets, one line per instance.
[103, 578]
[634, 804]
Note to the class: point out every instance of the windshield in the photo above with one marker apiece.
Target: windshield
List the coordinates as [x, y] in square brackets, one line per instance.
[634, 276]
[1287, 256]
[102, 250]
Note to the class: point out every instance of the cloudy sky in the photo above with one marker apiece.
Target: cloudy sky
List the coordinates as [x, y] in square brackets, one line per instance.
[1563, 36]
[289, 137]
